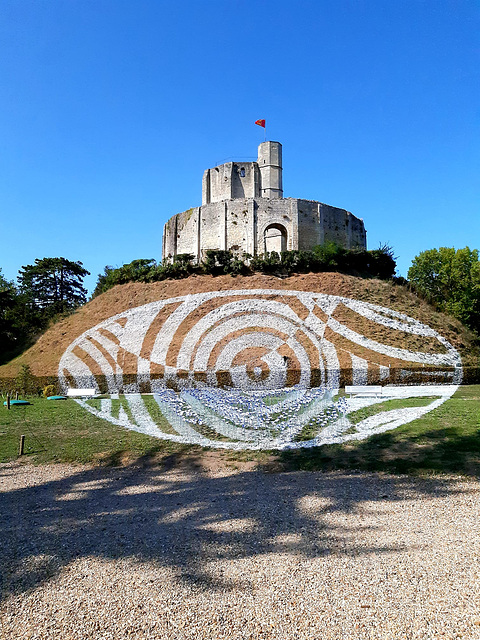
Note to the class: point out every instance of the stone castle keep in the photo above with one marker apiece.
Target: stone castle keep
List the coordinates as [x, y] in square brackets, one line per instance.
[243, 210]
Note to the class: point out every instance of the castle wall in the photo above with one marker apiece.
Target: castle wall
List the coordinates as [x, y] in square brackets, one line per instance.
[310, 229]
[218, 183]
[280, 212]
[246, 180]
[358, 235]
[187, 232]
[240, 225]
[212, 228]
[319, 223]
[169, 247]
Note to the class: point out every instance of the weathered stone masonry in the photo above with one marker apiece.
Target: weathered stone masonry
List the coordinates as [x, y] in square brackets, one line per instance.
[243, 210]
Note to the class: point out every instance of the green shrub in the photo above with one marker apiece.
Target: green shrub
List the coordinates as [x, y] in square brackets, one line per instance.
[218, 261]
[378, 263]
[25, 381]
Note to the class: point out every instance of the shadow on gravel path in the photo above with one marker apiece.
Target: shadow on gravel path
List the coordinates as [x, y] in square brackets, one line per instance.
[184, 518]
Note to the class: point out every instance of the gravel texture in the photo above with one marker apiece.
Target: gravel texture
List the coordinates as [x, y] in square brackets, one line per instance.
[187, 551]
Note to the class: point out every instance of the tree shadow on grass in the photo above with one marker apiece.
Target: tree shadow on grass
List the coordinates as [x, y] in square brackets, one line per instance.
[174, 514]
[446, 450]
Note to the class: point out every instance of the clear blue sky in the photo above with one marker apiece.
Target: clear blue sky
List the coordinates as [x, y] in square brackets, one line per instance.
[110, 110]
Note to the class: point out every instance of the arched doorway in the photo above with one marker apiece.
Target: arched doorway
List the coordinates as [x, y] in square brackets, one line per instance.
[275, 238]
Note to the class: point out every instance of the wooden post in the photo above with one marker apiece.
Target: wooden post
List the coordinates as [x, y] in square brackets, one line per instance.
[8, 401]
[22, 445]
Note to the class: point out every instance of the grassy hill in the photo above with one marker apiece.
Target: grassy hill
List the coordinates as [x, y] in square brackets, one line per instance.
[43, 358]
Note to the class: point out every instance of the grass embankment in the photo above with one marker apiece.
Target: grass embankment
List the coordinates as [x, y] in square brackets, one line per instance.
[446, 440]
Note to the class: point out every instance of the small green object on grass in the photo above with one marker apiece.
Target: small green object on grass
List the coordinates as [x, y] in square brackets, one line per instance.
[57, 398]
[17, 402]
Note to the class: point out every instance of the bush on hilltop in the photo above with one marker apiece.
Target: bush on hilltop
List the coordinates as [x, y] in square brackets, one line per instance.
[378, 263]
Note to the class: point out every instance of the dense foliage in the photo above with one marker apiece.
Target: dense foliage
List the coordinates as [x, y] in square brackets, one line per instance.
[378, 263]
[451, 279]
[48, 289]
[12, 320]
[53, 285]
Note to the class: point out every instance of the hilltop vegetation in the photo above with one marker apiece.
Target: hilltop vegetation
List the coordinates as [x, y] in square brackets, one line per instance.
[378, 263]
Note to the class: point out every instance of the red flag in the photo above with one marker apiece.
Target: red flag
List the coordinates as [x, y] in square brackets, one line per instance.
[261, 123]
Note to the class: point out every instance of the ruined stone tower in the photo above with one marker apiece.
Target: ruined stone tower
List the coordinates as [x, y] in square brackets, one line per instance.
[270, 165]
[243, 210]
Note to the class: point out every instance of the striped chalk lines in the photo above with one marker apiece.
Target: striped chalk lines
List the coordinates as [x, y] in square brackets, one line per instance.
[256, 368]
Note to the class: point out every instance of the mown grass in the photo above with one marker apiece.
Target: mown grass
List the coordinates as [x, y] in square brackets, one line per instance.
[446, 440]
[63, 431]
[389, 405]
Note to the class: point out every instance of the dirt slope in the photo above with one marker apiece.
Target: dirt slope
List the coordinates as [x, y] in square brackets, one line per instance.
[45, 355]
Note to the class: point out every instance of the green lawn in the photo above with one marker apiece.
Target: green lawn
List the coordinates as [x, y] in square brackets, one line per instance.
[62, 431]
[445, 440]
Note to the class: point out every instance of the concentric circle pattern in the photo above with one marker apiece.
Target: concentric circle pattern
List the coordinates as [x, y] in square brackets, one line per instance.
[216, 363]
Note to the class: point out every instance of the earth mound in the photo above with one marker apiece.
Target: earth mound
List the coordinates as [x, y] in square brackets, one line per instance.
[117, 336]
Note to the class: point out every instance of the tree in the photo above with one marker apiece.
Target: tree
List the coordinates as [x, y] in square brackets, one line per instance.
[25, 381]
[141, 270]
[102, 280]
[16, 327]
[8, 335]
[53, 285]
[451, 279]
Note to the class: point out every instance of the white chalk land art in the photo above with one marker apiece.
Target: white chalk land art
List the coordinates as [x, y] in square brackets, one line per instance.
[258, 369]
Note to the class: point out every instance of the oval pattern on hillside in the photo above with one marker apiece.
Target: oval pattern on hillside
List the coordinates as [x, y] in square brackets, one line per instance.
[251, 342]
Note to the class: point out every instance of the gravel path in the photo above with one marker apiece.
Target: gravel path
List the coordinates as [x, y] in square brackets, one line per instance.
[189, 553]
